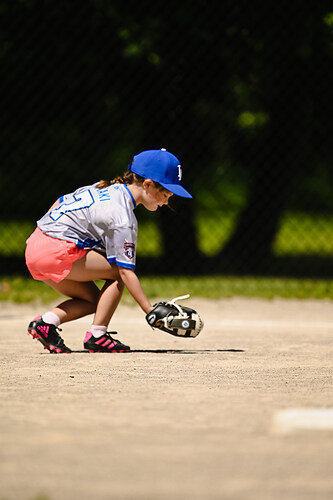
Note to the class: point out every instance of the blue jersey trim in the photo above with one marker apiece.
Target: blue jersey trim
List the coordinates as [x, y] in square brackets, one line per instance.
[88, 242]
[124, 264]
[113, 260]
[126, 187]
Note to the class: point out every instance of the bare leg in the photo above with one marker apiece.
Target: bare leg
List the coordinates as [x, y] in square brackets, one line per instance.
[93, 266]
[108, 302]
[86, 298]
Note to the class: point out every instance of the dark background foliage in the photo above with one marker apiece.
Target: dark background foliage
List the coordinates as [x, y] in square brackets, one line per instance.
[239, 91]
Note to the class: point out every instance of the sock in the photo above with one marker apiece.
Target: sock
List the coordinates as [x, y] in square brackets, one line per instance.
[98, 330]
[51, 318]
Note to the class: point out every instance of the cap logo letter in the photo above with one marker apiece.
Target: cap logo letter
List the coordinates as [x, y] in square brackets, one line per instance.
[179, 172]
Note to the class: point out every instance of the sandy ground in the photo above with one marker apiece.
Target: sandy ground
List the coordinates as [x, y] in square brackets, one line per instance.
[174, 418]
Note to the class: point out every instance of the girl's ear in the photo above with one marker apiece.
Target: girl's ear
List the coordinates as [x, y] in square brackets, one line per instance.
[147, 183]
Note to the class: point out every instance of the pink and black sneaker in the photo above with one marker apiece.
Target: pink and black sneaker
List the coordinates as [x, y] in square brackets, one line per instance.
[47, 335]
[103, 344]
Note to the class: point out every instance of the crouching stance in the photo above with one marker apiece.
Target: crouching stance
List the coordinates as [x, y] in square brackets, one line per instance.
[90, 235]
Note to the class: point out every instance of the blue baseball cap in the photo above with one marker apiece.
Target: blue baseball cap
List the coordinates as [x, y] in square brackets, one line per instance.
[160, 166]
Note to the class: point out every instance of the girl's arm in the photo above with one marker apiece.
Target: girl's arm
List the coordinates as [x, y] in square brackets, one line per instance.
[133, 285]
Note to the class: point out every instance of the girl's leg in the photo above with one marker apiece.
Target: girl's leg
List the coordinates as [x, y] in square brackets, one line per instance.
[93, 266]
[86, 298]
[108, 302]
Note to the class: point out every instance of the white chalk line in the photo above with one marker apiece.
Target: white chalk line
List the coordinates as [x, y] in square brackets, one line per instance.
[272, 323]
[297, 419]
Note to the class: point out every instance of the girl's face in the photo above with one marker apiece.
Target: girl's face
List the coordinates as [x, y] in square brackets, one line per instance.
[153, 196]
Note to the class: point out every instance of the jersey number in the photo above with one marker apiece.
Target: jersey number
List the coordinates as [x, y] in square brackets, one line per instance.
[82, 200]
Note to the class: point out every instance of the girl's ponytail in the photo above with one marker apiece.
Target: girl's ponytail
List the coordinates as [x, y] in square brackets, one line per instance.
[126, 178]
[103, 184]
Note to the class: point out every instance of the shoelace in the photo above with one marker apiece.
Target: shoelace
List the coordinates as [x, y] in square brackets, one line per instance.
[108, 336]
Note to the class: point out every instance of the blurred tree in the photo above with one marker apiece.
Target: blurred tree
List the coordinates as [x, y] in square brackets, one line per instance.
[85, 85]
[288, 64]
[179, 88]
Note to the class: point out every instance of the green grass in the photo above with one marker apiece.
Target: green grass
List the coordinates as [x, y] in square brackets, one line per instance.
[149, 240]
[25, 290]
[299, 234]
[304, 234]
[13, 237]
[213, 232]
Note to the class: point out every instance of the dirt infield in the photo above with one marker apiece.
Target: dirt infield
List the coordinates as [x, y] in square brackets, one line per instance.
[175, 418]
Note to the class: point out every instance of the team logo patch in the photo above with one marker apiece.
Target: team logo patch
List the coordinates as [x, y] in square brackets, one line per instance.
[129, 250]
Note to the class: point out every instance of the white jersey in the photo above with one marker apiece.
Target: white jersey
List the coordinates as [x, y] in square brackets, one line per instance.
[101, 219]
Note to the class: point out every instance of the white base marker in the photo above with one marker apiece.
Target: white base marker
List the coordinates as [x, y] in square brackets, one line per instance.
[293, 420]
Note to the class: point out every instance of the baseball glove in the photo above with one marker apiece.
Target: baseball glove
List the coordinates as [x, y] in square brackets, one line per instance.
[174, 319]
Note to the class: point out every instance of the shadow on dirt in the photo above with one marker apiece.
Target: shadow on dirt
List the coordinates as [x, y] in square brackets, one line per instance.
[165, 351]
[183, 351]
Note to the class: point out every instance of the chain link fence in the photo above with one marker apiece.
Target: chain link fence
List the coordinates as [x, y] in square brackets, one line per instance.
[239, 91]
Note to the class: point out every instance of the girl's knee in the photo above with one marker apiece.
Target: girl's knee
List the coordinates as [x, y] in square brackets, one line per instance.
[94, 298]
[90, 295]
[118, 283]
[120, 286]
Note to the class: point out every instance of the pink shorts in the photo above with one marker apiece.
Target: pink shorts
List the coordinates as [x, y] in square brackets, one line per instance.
[49, 258]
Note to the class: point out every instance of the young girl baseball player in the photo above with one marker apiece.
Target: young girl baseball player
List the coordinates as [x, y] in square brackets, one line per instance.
[91, 234]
